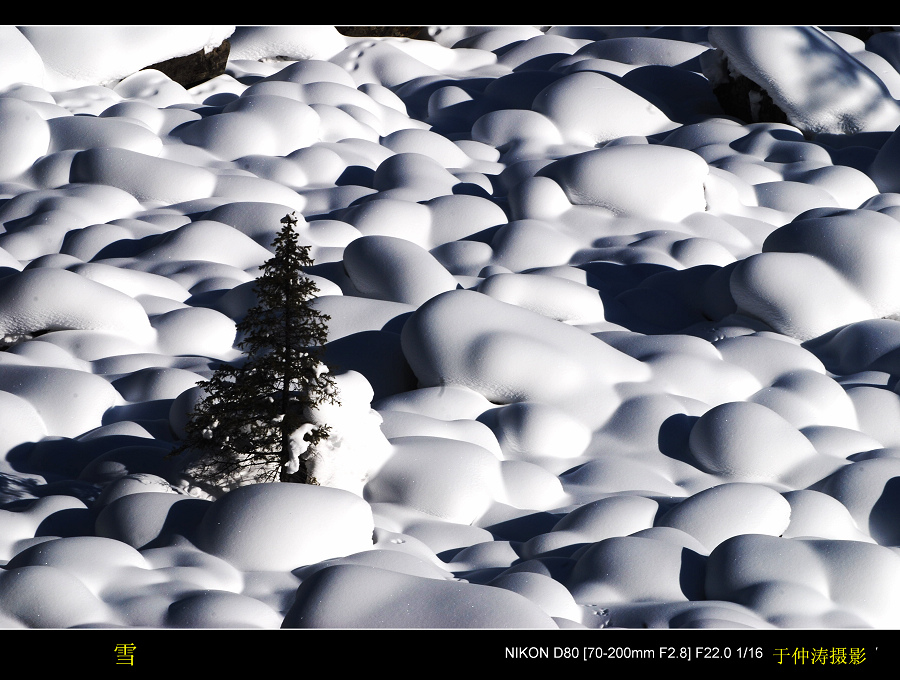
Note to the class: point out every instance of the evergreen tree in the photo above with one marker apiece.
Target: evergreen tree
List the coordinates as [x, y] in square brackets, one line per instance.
[242, 427]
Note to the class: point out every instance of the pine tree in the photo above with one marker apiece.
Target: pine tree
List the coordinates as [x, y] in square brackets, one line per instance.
[242, 427]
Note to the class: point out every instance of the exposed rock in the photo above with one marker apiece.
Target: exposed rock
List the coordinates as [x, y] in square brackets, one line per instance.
[744, 99]
[195, 68]
[737, 94]
[381, 31]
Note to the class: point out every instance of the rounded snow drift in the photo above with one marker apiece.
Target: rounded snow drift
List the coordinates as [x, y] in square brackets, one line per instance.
[282, 526]
[727, 510]
[659, 182]
[24, 137]
[357, 596]
[744, 441]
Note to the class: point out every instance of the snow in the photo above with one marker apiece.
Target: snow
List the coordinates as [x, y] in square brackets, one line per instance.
[113, 54]
[314, 523]
[289, 43]
[392, 268]
[617, 178]
[831, 92]
[590, 108]
[355, 449]
[605, 355]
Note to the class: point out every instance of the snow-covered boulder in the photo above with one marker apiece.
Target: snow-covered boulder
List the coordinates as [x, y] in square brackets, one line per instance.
[818, 85]
[74, 56]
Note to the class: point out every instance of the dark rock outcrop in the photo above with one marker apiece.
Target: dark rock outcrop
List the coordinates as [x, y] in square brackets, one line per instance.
[380, 31]
[737, 94]
[195, 68]
[744, 99]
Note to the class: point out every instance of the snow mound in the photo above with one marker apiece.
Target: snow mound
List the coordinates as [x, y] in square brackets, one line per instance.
[132, 282]
[21, 62]
[590, 108]
[318, 523]
[744, 441]
[262, 43]
[87, 132]
[454, 480]
[24, 422]
[95, 561]
[533, 430]
[643, 50]
[155, 382]
[815, 514]
[55, 299]
[195, 330]
[862, 346]
[840, 264]
[510, 354]
[804, 583]
[147, 178]
[208, 241]
[69, 401]
[138, 519]
[394, 269]
[255, 124]
[658, 578]
[867, 491]
[728, 510]
[38, 596]
[555, 298]
[595, 522]
[221, 609]
[24, 137]
[353, 596]
[621, 178]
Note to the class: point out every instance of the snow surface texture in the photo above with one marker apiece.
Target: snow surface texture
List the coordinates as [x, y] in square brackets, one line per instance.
[607, 357]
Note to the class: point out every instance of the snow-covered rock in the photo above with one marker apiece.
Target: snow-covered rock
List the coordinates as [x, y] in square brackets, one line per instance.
[810, 77]
[115, 51]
